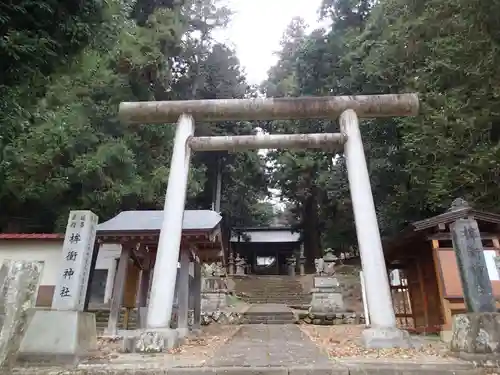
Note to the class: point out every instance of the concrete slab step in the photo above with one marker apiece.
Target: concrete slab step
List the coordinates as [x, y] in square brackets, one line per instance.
[333, 369]
[269, 322]
[266, 321]
[270, 315]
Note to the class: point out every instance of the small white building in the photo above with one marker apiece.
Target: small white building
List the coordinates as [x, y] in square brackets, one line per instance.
[46, 249]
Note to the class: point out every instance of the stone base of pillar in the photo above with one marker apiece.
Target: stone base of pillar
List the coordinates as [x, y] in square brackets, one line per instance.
[476, 337]
[384, 337]
[59, 337]
[183, 332]
[151, 341]
[302, 270]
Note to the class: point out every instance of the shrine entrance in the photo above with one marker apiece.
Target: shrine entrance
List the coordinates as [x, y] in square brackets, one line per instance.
[347, 109]
[264, 251]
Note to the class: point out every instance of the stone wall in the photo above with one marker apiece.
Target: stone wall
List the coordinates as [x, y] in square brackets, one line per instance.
[220, 317]
[331, 319]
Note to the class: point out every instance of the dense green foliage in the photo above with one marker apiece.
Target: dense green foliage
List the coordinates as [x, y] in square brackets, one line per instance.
[67, 67]
[447, 51]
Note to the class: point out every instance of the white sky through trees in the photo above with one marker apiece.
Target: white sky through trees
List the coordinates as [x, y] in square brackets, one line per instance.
[256, 29]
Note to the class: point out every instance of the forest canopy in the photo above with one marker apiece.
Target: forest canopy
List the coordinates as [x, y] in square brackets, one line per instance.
[67, 66]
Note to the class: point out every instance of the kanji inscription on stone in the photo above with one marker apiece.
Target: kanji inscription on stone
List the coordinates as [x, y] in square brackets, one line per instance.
[476, 283]
[74, 271]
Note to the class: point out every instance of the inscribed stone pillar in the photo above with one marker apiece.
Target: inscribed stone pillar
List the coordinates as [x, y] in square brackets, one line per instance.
[231, 263]
[476, 283]
[18, 283]
[302, 261]
[78, 247]
[66, 333]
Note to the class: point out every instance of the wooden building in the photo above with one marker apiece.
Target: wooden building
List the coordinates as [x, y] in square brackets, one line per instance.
[138, 233]
[425, 279]
[266, 250]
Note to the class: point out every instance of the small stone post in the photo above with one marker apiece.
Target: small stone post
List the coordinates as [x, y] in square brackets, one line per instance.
[18, 283]
[231, 263]
[197, 298]
[291, 266]
[142, 297]
[183, 295]
[118, 291]
[302, 261]
[240, 265]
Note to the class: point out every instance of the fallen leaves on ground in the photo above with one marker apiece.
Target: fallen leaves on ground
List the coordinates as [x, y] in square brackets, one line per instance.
[202, 346]
[205, 344]
[343, 341]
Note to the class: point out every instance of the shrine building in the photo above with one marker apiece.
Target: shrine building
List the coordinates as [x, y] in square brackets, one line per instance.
[427, 290]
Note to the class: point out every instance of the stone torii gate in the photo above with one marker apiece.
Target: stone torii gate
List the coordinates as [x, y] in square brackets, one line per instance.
[383, 331]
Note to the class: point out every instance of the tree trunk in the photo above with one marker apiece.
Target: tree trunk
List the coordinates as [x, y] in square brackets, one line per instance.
[312, 239]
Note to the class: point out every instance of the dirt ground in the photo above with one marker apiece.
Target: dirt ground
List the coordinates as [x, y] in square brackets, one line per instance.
[343, 341]
[201, 347]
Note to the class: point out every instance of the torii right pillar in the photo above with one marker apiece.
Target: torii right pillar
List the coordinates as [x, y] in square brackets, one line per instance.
[383, 332]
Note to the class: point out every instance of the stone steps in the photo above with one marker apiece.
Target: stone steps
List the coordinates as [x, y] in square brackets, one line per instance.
[102, 317]
[271, 315]
[287, 301]
[271, 289]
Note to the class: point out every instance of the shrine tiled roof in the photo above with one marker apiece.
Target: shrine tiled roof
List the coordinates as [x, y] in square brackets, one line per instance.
[151, 221]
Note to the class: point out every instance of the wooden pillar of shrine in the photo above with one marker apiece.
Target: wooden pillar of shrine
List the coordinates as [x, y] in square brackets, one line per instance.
[118, 290]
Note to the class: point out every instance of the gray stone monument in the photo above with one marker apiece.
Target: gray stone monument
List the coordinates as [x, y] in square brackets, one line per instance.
[66, 333]
[213, 294]
[476, 283]
[18, 283]
[476, 334]
[326, 293]
[213, 288]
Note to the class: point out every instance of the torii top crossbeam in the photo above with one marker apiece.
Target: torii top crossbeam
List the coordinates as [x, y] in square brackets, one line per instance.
[306, 107]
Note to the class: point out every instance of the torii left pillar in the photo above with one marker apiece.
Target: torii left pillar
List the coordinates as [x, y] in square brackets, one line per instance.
[158, 336]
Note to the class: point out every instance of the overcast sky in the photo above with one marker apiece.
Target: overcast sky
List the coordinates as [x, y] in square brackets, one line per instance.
[256, 29]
